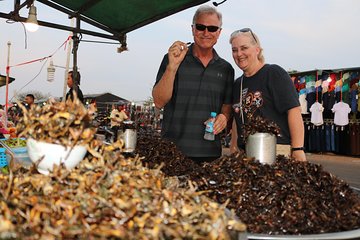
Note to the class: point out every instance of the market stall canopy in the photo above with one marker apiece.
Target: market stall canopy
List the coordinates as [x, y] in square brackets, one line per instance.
[3, 80]
[115, 17]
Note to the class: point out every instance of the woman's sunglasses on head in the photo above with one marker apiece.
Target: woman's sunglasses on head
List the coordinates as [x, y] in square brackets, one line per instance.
[244, 30]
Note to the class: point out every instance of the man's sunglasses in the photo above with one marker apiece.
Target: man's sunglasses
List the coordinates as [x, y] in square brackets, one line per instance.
[244, 30]
[201, 27]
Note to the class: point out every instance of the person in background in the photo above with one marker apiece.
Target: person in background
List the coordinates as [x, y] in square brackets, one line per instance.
[265, 90]
[7, 127]
[74, 86]
[117, 117]
[29, 100]
[2, 114]
[192, 82]
[14, 114]
[3, 128]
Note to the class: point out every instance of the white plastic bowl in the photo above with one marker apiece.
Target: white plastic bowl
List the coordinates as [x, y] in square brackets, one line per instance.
[51, 154]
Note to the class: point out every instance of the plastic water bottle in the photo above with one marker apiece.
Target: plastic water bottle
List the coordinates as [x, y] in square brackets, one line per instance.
[209, 129]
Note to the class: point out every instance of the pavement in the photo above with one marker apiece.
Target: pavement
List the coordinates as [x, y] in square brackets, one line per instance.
[346, 168]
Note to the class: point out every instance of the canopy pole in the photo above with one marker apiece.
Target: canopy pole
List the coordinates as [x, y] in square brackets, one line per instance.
[67, 62]
[7, 84]
[75, 49]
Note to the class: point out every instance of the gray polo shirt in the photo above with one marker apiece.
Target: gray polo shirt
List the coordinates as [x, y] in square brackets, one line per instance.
[198, 90]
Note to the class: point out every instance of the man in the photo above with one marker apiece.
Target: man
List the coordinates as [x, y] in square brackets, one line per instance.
[74, 87]
[28, 103]
[29, 100]
[117, 116]
[192, 82]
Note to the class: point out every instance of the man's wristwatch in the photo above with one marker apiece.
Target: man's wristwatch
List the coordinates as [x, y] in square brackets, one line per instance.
[297, 149]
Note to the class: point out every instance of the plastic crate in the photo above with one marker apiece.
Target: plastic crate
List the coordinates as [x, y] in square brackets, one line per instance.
[3, 161]
[21, 156]
[20, 153]
[19, 150]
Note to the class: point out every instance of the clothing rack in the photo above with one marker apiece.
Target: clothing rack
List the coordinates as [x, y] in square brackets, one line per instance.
[328, 137]
[354, 121]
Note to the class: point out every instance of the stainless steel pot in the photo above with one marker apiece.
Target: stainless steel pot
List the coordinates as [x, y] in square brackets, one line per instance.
[261, 146]
[129, 136]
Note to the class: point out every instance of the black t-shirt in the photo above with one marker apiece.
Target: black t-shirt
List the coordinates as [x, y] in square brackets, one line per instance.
[270, 93]
[70, 94]
[328, 100]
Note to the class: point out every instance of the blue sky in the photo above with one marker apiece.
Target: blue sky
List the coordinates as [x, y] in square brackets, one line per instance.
[298, 35]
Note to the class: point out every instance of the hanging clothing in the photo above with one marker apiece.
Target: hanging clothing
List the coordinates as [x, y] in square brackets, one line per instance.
[310, 97]
[303, 103]
[353, 98]
[341, 116]
[317, 114]
[354, 138]
[358, 98]
[325, 86]
[329, 100]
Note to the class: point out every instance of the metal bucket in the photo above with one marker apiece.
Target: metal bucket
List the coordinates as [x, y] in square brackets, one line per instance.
[100, 137]
[129, 136]
[120, 134]
[261, 146]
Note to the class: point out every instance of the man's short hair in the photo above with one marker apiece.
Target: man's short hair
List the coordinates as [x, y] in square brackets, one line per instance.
[31, 96]
[206, 9]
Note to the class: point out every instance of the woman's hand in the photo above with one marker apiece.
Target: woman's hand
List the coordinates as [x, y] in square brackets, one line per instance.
[299, 155]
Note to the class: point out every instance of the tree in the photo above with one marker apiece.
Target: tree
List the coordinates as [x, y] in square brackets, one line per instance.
[149, 102]
[39, 96]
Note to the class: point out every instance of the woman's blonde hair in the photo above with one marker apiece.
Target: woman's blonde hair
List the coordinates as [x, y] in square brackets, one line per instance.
[254, 40]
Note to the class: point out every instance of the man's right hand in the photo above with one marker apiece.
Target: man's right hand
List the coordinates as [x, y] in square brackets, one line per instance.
[177, 52]
[234, 148]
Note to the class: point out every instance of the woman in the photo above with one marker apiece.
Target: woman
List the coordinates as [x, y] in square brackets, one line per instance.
[265, 90]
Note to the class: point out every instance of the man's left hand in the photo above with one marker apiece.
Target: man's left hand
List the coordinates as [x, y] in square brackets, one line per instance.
[220, 123]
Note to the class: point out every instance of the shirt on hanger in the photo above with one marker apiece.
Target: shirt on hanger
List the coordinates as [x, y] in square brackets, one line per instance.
[317, 114]
[303, 103]
[341, 111]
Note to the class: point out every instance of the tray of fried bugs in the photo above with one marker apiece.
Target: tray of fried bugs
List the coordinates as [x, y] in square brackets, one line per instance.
[287, 200]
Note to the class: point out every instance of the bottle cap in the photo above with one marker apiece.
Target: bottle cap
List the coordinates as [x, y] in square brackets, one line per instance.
[213, 114]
